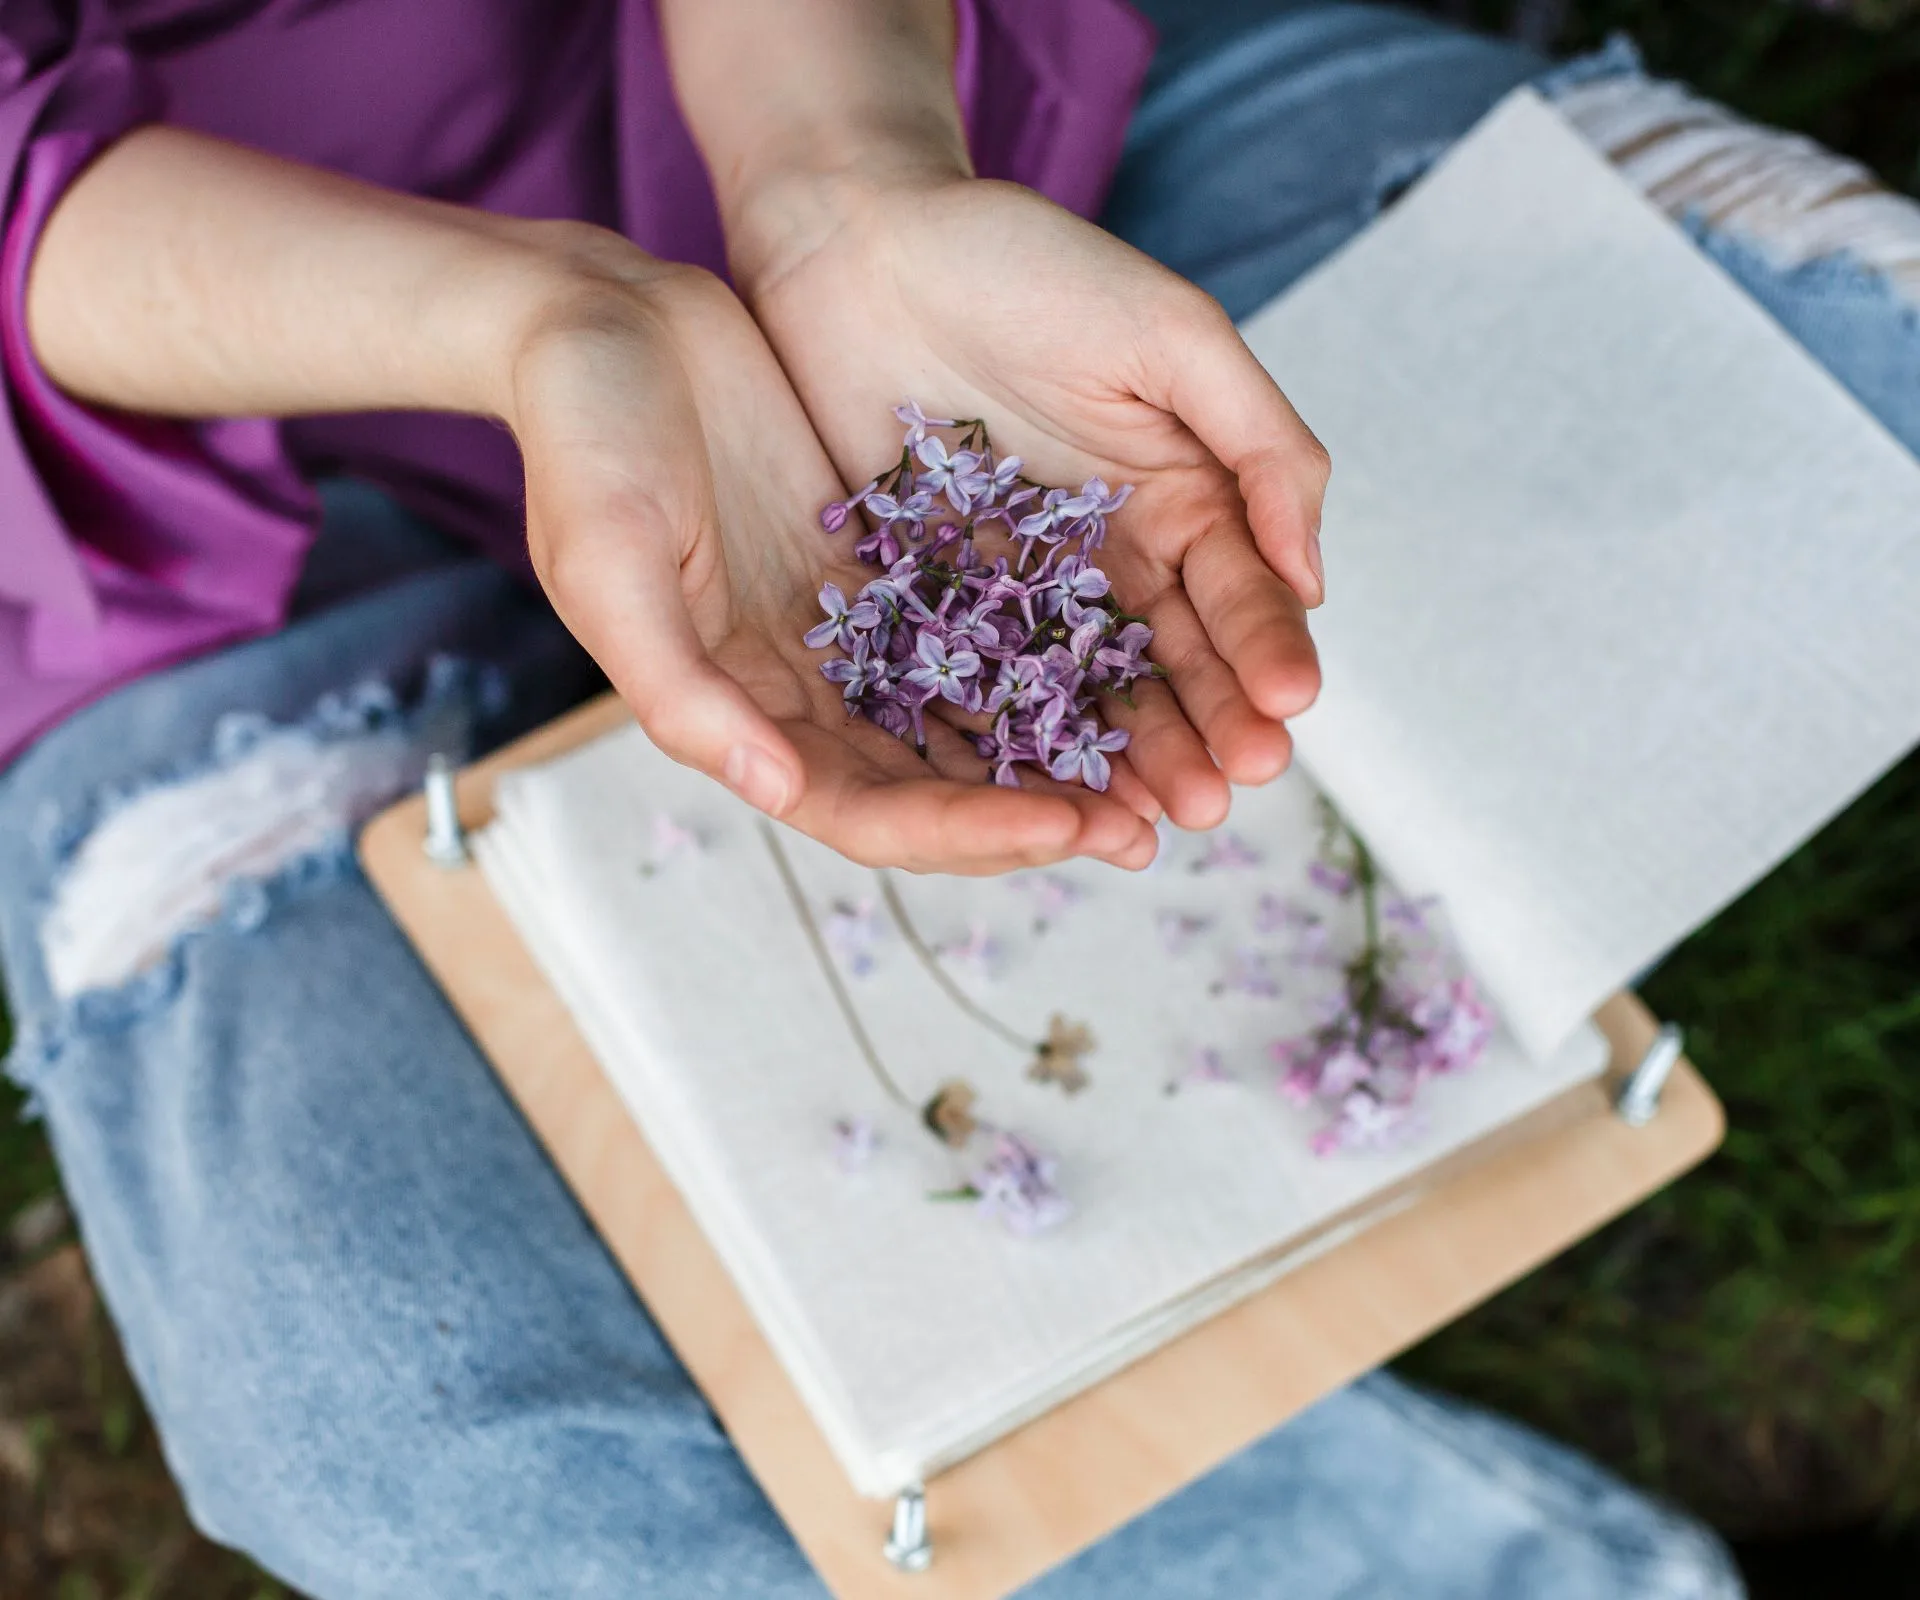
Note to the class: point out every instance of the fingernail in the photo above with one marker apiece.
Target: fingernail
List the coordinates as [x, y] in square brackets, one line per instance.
[758, 779]
[1314, 561]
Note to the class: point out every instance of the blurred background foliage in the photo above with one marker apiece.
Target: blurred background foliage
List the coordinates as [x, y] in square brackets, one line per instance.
[1748, 1342]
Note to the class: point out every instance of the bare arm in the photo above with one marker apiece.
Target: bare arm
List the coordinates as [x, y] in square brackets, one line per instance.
[672, 478]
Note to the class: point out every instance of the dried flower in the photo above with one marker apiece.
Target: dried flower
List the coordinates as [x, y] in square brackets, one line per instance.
[1030, 642]
[1366, 1122]
[949, 1114]
[1249, 973]
[1178, 930]
[1206, 1068]
[854, 1141]
[851, 932]
[1227, 852]
[1052, 894]
[1058, 1057]
[977, 953]
[1017, 1184]
[670, 839]
[1393, 1024]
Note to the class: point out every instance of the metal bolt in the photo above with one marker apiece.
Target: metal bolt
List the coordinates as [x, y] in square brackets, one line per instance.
[1639, 1096]
[446, 842]
[908, 1546]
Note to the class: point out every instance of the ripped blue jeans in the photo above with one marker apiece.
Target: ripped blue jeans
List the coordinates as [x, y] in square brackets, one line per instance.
[386, 1353]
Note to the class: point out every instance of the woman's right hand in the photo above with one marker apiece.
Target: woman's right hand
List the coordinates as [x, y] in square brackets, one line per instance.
[673, 491]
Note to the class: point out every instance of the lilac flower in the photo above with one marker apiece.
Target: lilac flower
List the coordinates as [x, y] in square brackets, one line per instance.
[1456, 1026]
[946, 674]
[1227, 852]
[1086, 757]
[844, 622]
[1178, 930]
[1033, 643]
[1409, 916]
[834, 514]
[851, 931]
[1052, 894]
[1120, 659]
[854, 1141]
[1365, 1122]
[955, 473]
[1332, 880]
[861, 673]
[1248, 973]
[1018, 1184]
[918, 421]
[1205, 1070]
[978, 953]
[670, 839]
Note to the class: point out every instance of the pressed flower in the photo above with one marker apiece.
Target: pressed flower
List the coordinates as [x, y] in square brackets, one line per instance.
[949, 1114]
[1227, 852]
[670, 839]
[1019, 1185]
[854, 1141]
[1178, 930]
[851, 932]
[1204, 1069]
[1059, 1058]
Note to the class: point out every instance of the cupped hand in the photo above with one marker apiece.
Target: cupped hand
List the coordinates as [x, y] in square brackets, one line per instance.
[673, 491]
[1086, 358]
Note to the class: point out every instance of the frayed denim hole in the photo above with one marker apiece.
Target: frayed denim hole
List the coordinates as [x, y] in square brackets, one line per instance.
[133, 974]
[1619, 57]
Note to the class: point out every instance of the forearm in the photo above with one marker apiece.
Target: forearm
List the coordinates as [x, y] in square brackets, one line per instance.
[184, 276]
[791, 101]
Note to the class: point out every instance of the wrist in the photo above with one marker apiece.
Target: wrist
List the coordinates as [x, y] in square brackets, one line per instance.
[782, 215]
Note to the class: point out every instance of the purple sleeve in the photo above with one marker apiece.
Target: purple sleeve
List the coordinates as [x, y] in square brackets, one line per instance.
[125, 542]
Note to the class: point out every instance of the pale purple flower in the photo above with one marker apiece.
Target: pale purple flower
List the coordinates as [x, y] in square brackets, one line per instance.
[1019, 1185]
[946, 674]
[844, 622]
[1086, 757]
[1206, 1069]
[978, 953]
[671, 839]
[855, 1139]
[1409, 916]
[915, 509]
[860, 673]
[917, 421]
[1052, 894]
[834, 514]
[1033, 642]
[1366, 1122]
[851, 931]
[1249, 973]
[1178, 930]
[955, 473]
[1336, 881]
[1456, 1026]
[1227, 852]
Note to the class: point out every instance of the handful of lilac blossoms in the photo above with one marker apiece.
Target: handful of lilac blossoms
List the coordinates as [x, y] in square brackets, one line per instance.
[987, 599]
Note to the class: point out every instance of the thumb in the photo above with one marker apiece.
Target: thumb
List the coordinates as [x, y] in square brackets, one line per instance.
[618, 587]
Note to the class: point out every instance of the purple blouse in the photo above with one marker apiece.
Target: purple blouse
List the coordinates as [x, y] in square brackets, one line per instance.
[127, 543]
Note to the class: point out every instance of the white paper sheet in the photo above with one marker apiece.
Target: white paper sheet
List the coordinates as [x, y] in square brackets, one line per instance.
[916, 1330]
[1625, 590]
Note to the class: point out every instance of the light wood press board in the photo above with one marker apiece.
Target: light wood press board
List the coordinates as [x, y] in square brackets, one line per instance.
[1032, 1500]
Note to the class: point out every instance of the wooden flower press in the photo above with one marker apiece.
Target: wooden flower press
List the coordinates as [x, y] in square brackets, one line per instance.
[1029, 1502]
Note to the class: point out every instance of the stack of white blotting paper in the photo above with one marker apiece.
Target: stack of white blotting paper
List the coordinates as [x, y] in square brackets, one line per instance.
[1623, 600]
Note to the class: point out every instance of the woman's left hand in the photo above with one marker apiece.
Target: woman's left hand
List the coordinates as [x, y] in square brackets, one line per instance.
[1085, 358]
